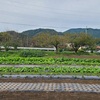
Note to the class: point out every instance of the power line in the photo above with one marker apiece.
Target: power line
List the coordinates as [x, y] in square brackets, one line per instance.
[22, 24]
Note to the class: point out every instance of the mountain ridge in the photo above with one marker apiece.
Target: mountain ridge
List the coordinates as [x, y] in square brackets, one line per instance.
[93, 32]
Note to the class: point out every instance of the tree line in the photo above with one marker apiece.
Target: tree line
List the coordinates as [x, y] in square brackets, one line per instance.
[60, 42]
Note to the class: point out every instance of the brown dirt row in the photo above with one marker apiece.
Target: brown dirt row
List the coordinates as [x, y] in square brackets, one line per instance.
[35, 80]
[81, 56]
[48, 96]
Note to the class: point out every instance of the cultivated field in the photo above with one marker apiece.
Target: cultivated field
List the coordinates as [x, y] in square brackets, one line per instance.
[49, 63]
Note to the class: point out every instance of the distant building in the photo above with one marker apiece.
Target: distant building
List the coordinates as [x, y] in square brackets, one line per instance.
[98, 47]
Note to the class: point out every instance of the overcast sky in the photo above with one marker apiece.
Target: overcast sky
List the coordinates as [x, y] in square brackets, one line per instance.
[20, 15]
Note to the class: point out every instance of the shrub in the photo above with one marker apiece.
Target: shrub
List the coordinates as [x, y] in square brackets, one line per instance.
[82, 52]
[32, 53]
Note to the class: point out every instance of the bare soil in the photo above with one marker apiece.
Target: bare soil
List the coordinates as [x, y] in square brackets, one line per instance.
[85, 56]
[50, 95]
[81, 56]
[50, 80]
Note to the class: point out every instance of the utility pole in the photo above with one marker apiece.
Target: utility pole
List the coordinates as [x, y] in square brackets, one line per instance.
[27, 39]
[86, 30]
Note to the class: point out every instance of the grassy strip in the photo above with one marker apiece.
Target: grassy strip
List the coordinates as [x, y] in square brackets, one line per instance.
[51, 70]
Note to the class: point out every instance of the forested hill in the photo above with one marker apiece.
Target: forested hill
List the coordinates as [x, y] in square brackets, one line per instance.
[39, 31]
[93, 32]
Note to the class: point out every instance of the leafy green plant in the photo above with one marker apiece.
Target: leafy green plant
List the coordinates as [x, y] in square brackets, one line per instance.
[51, 70]
[30, 53]
[49, 61]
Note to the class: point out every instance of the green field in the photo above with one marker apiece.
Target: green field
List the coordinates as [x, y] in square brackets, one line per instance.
[88, 64]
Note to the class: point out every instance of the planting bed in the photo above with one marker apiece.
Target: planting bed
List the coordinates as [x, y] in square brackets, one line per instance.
[64, 70]
[48, 61]
[58, 95]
